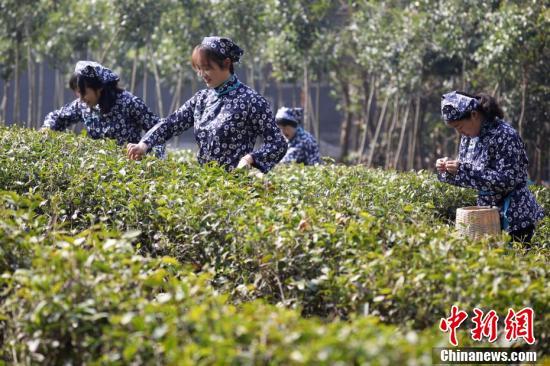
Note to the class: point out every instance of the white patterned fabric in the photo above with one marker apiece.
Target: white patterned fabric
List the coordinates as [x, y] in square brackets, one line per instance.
[497, 169]
[226, 120]
[224, 46]
[291, 114]
[126, 121]
[456, 106]
[93, 69]
[302, 148]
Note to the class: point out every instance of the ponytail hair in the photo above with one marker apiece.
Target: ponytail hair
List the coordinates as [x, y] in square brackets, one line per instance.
[489, 107]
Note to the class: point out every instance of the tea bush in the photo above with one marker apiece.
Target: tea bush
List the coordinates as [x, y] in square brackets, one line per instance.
[89, 299]
[20, 226]
[332, 241]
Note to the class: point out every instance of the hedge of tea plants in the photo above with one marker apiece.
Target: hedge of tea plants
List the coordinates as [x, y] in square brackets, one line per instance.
[89, 299]
[113, 261]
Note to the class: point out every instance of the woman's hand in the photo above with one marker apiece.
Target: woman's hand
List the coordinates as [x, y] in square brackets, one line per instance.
[452, 166]
[246, 161]
[440, 164]
[136, 151]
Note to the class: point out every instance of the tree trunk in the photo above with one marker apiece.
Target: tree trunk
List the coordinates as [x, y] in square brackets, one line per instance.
[418, 143]
[317, 118]
[145, 78]
[108, 47]
[396, 159]
[16, 86]
[176, 104]
[252, 81]
[55, 89]
[313, 118]
[379, 157]
[523, 93]
[61, 89]
[30, 82]
[305, 103]
[134, 71]
[495, 89]
[280, 101]
[346, 123]
[355, 127]
[463, 73]
[193, 85]
[389, 136]
[538, 159]
[160, 105]
[412, 145]
[4, 102]
[378, 128]
[40, 94]
[176, 96]
[368, 87]
[263, 83]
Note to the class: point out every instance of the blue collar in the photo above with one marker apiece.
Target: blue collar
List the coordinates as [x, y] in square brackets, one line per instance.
[229, 85]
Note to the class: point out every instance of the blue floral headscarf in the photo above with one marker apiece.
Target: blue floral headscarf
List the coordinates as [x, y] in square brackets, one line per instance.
[224, 46]
[94, 69]
[291, 114]
[456, 106]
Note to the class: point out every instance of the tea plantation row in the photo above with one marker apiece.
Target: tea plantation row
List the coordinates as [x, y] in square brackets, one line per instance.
[89, 299]
[332, 241]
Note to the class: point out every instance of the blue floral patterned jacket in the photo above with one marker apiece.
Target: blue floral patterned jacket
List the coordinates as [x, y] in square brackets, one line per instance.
[495, 164]
[226, 120]
[302, 148]
[125, 122]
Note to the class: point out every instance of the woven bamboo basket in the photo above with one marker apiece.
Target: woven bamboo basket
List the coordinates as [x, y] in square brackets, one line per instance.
[477, 221]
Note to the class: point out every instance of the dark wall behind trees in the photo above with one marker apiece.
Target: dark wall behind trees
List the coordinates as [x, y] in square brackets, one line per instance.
[278, 94]
[385, 64]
